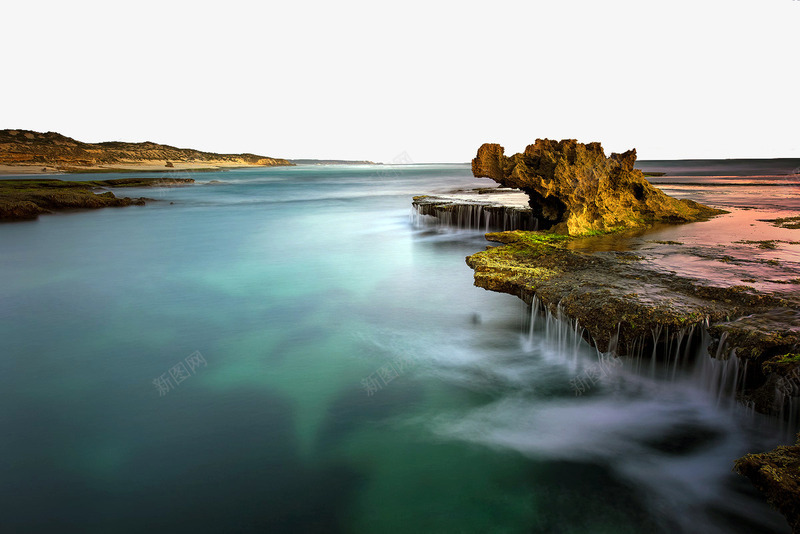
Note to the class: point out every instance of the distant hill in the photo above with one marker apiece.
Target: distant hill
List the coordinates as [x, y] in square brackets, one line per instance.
[22, 148]
[331, 162]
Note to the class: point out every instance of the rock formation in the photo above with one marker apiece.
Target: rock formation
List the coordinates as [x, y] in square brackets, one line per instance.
[574, 188]
[777, 475]
[27, 199]
[22, 147]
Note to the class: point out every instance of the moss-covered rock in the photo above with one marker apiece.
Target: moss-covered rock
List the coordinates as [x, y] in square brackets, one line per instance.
[27, 199]
[609, 293]
[777, 475]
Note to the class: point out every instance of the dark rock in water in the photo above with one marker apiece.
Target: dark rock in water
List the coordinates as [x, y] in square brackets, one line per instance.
[27, 199]
[791, 223]
[574, 188]
[777, 475]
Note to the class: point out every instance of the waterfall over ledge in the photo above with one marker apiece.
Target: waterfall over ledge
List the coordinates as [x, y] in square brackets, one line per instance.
[683, 355]
[470, 212]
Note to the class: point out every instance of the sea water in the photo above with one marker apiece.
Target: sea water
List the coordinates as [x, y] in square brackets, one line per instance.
[282, 350]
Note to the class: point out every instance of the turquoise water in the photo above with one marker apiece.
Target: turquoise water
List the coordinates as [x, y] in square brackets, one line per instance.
[276, 297]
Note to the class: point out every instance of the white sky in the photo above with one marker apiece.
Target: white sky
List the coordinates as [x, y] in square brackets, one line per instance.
[369, 80]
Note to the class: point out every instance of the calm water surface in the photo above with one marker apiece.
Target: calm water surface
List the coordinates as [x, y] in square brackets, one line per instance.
[285, 352]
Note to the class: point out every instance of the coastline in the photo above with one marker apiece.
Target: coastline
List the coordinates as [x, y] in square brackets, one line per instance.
[653, 296]
[177, 166]
[665, 283]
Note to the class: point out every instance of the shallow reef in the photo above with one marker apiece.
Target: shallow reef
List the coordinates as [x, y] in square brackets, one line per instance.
[27, 199]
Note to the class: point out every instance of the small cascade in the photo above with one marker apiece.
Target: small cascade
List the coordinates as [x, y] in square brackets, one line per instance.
[787, 403]
[681, 355]
[721, 377]
[561, 334]
[663, 354]
[788, 414]
[532, 322]
[445, 215]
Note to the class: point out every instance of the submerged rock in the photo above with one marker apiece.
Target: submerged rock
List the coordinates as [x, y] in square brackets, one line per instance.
[777, 475]
[27, 199]
[574, 188]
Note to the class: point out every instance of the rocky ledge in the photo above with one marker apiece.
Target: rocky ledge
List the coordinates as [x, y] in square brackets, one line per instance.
[623, 296]
[574, 188]
[777, 475]
[495, 209]
[27, 199]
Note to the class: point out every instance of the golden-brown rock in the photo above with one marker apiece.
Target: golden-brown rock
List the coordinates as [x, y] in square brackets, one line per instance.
[574, 188]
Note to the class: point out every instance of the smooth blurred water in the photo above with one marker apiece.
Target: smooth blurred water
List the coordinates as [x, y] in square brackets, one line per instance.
[297, 285]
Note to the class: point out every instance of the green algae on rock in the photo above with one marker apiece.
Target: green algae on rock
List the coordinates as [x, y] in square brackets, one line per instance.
[629, 305]
[777, 475]
[790, 223]
[574, 188]
[27, 199]
[609, 293]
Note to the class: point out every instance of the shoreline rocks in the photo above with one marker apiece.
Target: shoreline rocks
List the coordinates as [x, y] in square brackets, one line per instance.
[625, 305]
[625, 297]
[776, 474]
[27, 199]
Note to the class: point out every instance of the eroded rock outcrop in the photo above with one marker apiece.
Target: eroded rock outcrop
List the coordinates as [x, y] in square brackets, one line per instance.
[574, 188]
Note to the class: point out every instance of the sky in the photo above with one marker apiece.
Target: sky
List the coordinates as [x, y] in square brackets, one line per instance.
[433, 80]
